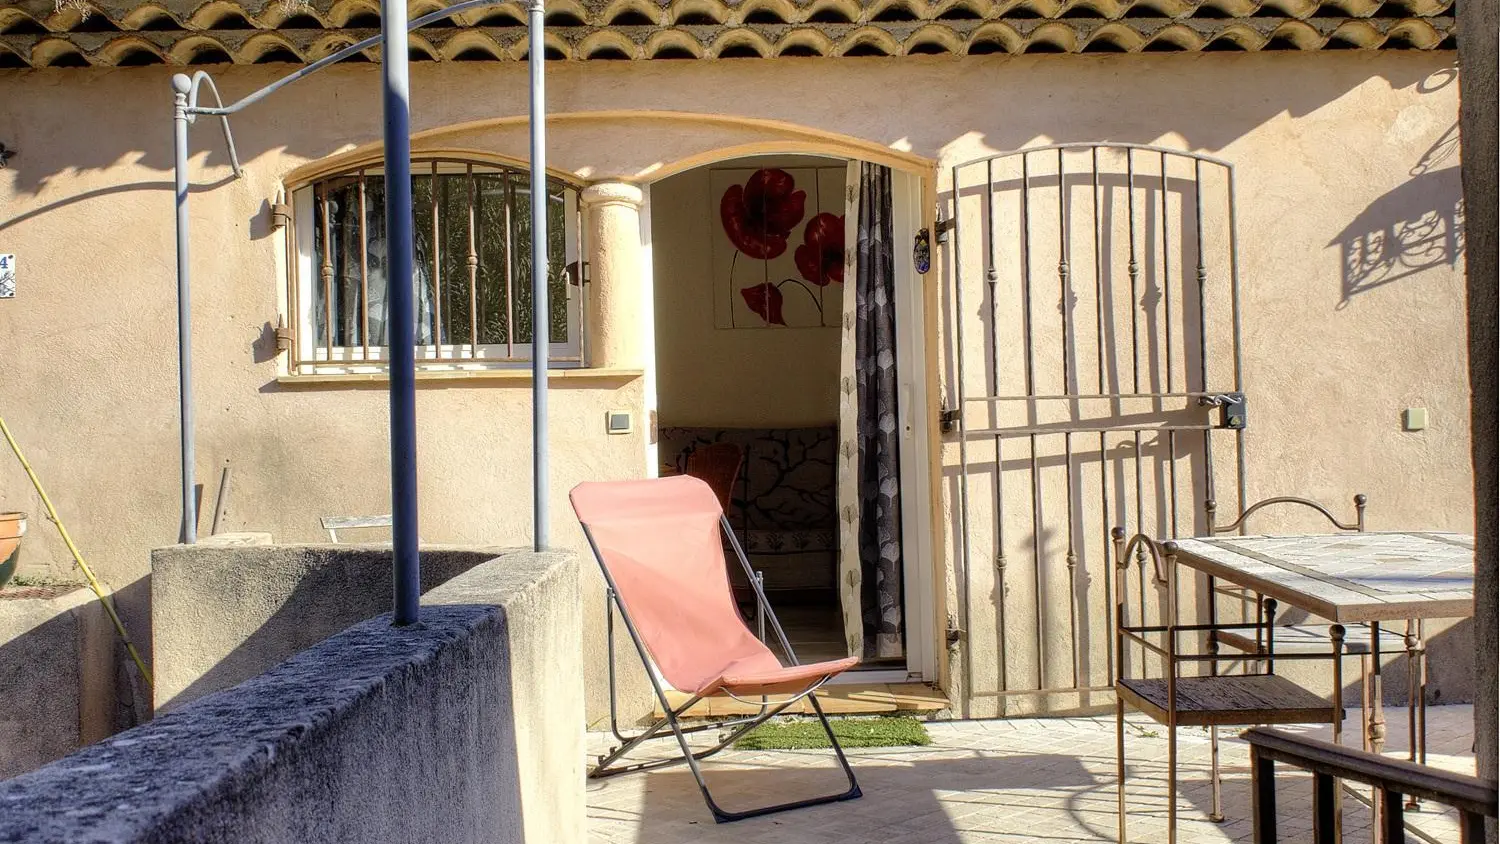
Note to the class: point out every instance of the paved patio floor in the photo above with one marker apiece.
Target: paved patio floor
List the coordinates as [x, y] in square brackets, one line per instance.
[1049, 780]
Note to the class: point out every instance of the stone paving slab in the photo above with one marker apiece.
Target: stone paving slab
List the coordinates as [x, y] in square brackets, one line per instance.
[1044, 780]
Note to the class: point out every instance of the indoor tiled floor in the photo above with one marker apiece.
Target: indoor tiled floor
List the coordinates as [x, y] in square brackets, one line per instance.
[1048, 780]
[816, 632]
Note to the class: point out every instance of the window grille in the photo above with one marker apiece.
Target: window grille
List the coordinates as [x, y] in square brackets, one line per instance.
[472, 273]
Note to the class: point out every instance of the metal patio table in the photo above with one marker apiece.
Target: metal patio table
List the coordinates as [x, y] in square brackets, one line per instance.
[1354, 578]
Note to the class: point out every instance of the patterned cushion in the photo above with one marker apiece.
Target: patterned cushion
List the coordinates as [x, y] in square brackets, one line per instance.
[789, 541]
[786, 494]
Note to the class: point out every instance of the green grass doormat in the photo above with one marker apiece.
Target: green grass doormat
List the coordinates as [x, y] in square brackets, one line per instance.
[806, 734]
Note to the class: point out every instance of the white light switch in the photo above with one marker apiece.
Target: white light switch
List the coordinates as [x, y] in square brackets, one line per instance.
[1414, 419]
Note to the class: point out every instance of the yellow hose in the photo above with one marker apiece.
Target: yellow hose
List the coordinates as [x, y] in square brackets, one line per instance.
[77, 555]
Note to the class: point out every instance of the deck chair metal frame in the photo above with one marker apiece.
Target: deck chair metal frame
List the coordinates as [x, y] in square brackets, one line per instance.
[607, 767]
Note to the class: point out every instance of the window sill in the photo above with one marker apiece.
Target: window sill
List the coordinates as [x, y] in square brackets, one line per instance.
[515, 377]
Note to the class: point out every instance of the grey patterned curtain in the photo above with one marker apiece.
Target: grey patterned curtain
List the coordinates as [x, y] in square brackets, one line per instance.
[878, 459]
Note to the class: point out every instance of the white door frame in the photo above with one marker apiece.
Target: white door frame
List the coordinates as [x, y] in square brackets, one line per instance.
[648, 325]
[907, 192]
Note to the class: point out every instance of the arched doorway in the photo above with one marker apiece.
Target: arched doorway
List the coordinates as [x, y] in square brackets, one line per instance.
[751, 354]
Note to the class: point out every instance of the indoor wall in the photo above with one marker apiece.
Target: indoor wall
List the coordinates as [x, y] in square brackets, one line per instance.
[708, 376]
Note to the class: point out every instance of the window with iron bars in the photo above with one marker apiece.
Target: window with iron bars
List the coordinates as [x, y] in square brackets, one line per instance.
[471, 274]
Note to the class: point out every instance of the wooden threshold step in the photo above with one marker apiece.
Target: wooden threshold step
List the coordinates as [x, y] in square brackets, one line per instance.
[850, 699]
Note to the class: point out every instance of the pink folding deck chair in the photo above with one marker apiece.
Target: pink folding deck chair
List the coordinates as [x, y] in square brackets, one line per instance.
[660, 546]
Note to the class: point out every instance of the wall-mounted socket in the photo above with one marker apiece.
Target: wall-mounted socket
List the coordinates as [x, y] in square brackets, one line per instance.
[618, 422]
[1414, 419]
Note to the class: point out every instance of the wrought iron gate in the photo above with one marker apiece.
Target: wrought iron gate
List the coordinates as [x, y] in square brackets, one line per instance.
[1093, 379]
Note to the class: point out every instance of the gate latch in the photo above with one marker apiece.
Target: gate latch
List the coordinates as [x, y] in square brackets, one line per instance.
[1232, 412]
[948, 420]
[942, 228]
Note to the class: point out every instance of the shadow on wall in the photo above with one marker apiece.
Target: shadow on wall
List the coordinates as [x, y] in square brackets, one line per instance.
[1449, 642]
[47, 712]
[1416, 227]
[69, 680]
[164, 186]
[222, 616]
[1450, 666]
[133, 693]
[143, 136]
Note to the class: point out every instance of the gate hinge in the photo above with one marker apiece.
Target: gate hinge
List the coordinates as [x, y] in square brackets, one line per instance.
[281, 215]
[578, 273]
[948, 420]
[955, 635]
[1232, 411]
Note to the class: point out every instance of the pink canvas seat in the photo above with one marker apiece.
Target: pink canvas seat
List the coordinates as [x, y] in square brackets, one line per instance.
[660, 546]
[660, 540]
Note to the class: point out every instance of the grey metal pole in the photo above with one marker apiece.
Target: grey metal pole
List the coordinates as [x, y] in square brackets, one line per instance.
[541, 315]
[398, 238]
[181, 84]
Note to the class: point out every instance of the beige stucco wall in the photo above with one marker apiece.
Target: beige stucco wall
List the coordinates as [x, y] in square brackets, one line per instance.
[1321, 141]
[708, 376]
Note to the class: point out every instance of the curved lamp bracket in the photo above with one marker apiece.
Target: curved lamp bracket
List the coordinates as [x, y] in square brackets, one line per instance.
[199, 79]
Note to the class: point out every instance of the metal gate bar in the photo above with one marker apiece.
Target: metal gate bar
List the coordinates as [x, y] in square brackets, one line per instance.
[1163, 423]
[1104, 526]
[1066, 293]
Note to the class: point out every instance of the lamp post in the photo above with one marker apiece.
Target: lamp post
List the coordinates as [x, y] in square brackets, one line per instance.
[396, 106]
[188, 532]
[541, 321]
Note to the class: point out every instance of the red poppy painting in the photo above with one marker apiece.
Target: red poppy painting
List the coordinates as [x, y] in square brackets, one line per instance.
[820, 258]
[759, 215]
[779, 248]
[765, 300]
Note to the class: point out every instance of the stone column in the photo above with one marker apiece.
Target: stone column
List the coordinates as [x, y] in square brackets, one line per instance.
[615, 298]
[1479, 126]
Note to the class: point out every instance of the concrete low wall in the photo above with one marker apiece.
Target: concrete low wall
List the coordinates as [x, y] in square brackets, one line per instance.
[223, 614]
[63, 686]
[466, 728]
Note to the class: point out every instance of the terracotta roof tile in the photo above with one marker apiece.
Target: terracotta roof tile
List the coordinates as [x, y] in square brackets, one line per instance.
[46, 33]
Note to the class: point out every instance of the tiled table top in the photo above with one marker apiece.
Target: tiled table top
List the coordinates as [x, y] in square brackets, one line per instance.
[1347, 577]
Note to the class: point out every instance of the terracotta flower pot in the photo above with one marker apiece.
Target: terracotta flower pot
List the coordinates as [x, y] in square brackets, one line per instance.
[12, 528]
